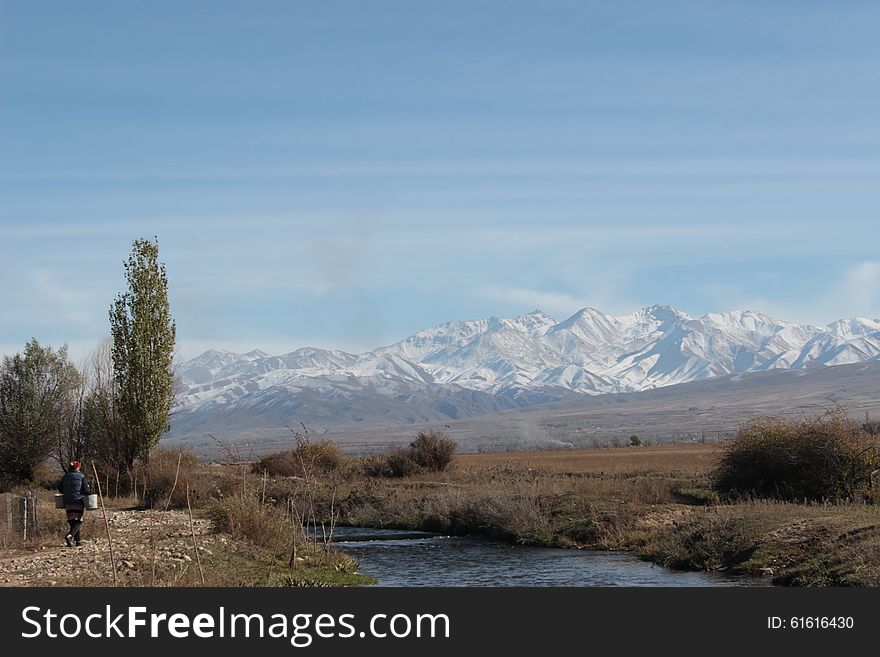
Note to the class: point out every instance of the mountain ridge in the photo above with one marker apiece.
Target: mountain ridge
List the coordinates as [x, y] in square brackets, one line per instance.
[469, 367]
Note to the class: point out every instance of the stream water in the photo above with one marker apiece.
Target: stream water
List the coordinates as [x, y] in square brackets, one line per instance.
[398, 558]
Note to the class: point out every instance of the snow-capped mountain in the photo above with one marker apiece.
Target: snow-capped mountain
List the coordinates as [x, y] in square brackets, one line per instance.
[465, 367]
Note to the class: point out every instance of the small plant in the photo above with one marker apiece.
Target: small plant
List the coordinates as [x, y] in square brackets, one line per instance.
[635, 441]
[244, 517]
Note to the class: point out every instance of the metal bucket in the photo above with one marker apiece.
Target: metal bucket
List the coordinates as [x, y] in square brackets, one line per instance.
[90, 501]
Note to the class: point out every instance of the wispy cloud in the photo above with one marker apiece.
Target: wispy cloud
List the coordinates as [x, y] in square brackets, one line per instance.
[609, 295]
[861, 288]
[852, 292]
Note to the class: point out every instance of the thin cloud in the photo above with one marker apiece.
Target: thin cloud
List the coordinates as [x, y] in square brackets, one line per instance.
[559, 305]
[861, 288]
[854, 292]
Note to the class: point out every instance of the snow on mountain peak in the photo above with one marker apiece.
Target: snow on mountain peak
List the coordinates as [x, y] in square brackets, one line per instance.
[854, 328]
[589, 352]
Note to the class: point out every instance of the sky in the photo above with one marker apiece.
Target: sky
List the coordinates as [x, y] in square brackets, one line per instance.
[342, 174]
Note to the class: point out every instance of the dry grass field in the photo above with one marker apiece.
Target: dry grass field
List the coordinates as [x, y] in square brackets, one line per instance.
[697, 458]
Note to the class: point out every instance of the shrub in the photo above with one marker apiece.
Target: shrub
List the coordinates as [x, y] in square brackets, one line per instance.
[244, 517]
[635, 441]
[398, 463]
[432, 450]
[161, 472]
[307, 458]
[703, 542]
[817, 459]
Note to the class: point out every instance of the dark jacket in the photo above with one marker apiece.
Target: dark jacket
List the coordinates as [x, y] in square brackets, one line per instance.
[74, 486]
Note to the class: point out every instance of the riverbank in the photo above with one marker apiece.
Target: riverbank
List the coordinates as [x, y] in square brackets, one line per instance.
[650, 501]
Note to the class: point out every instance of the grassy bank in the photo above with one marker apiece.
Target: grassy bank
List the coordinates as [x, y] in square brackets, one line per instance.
[653, 501]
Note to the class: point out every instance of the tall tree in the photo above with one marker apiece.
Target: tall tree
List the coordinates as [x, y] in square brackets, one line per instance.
[38, 391]
[143, 347]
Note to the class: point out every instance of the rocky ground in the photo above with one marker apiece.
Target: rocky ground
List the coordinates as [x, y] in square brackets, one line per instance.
[148, 547]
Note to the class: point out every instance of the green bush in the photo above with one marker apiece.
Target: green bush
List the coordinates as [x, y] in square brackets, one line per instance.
[823, 458]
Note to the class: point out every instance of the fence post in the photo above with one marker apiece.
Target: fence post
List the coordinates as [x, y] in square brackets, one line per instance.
[32, 528]
[20, 514]
[9, 518]
[22, 518]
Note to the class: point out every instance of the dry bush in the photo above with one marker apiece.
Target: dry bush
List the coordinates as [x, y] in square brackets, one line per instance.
[161, 473]
[397, 463]
[307, 458]
[822, 458]
[432, 450]
[245, 517]
[709, 541]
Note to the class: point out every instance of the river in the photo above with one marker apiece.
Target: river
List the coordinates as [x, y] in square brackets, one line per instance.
[398, 558]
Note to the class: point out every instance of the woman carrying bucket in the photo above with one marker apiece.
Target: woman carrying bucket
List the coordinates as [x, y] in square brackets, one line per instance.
[75, 489]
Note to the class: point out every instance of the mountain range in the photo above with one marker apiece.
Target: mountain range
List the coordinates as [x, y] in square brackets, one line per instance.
[470, 368]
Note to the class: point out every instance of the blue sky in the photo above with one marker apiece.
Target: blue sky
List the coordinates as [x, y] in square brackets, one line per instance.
[345, 173]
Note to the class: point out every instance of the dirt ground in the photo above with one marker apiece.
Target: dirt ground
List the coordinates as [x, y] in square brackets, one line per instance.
[140, 540]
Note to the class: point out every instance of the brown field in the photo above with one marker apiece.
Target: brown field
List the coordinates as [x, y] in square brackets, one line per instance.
[699, 458]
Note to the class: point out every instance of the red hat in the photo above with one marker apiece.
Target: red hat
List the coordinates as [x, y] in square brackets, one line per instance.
[75, 465]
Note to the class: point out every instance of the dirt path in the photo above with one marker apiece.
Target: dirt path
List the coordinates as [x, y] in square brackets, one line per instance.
[140, 539]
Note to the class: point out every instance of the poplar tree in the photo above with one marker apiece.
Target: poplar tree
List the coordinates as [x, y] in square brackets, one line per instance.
[143, 333]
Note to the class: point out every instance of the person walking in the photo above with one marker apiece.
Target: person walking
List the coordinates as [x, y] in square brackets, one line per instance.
[75, 488]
